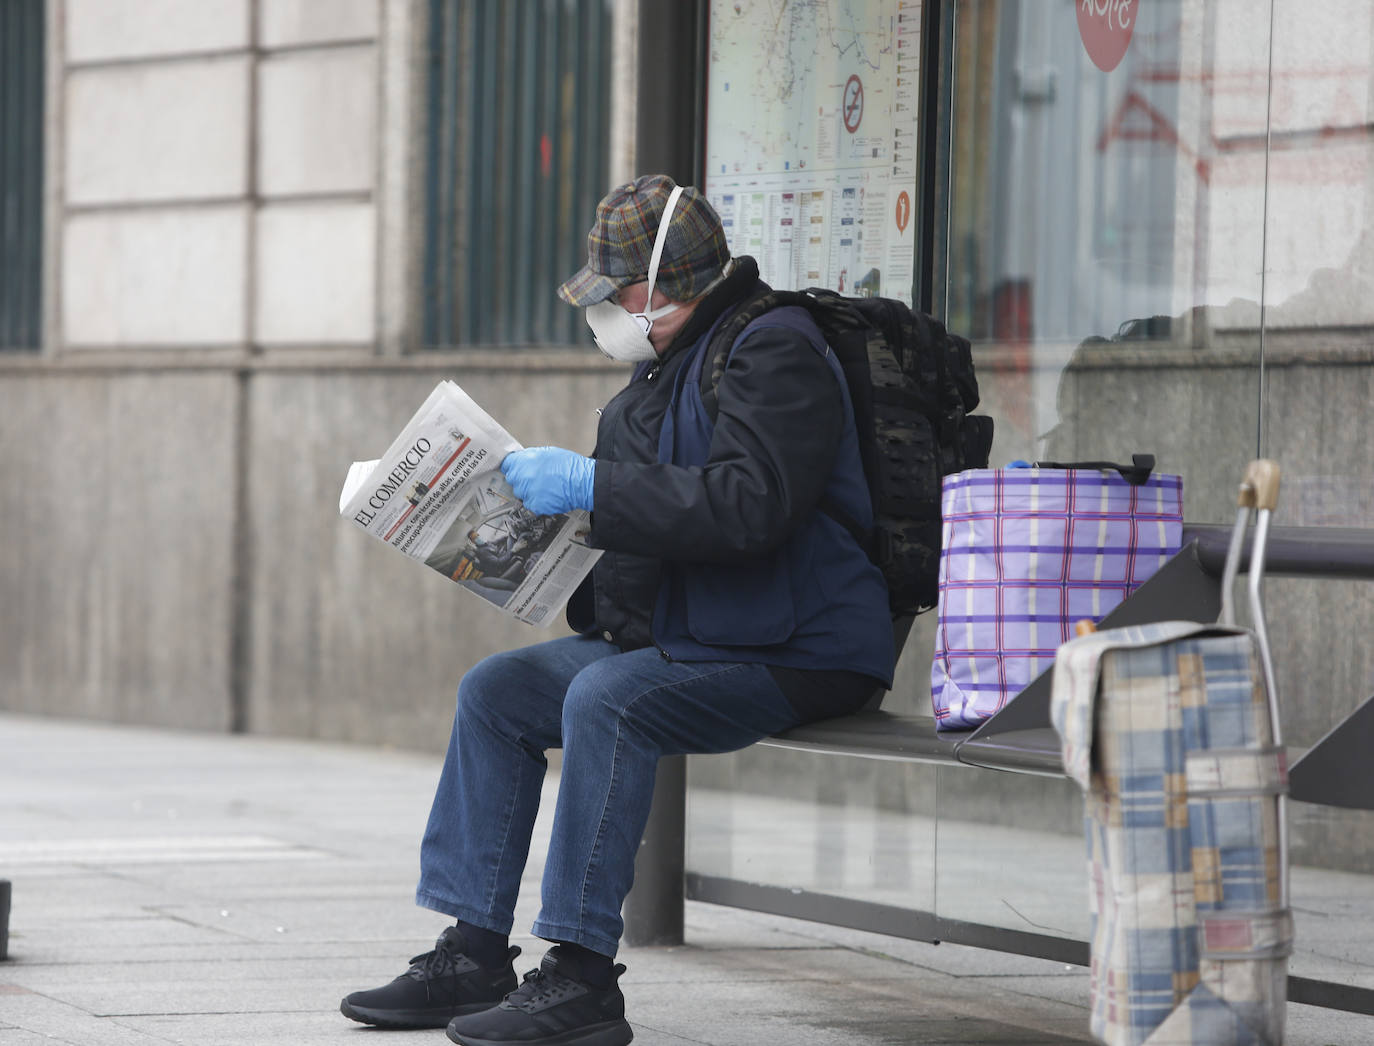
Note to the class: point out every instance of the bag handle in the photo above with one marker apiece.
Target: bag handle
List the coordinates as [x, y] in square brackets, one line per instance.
[1136, 473]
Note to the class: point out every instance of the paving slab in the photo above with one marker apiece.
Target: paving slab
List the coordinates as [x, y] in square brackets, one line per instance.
[174, 887]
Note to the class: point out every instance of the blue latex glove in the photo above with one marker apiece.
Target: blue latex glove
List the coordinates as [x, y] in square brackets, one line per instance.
[550, 480]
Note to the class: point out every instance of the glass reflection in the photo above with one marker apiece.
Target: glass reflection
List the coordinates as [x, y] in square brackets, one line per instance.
[1159, 241]
[1105, 242]
[1011, 852]
[855, 828]
[1169, 253]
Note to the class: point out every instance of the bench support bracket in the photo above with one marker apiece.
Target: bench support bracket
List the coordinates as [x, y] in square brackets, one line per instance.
[653, 911]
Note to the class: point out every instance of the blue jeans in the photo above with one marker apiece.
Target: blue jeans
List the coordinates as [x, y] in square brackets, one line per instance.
[614, 715]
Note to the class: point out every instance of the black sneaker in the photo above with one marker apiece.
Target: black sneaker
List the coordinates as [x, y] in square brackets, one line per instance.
[553, 1007]
[439, 985]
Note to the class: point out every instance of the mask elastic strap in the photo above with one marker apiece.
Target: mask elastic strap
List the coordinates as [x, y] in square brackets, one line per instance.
[659, 241]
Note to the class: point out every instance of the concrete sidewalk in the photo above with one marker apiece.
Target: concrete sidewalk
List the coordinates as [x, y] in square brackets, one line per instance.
[193, 888]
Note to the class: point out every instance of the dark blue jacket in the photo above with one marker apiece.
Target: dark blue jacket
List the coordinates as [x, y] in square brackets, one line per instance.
[716, 549]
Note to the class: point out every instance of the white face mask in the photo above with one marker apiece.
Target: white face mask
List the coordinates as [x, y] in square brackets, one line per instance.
[623, 335]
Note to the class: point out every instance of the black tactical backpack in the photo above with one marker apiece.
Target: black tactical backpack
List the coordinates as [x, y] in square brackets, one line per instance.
[913, 389]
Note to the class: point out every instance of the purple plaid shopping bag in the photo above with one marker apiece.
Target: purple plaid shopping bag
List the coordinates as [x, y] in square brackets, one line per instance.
[1026, 553]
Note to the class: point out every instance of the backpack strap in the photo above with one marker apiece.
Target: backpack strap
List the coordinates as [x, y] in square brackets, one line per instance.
[723, 341]
[722, 346]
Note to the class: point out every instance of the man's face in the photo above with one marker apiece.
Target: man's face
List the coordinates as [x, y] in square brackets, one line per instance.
[634, 298]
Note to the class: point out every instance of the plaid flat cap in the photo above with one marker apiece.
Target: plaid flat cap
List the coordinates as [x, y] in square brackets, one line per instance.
[621, 242]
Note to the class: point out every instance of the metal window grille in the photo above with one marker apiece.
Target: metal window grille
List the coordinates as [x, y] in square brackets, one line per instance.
[21, 173]
[516, 159]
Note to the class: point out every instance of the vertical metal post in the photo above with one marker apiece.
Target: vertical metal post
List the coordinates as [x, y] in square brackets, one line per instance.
[672, 89]
[653, 911]
[668, 131]
[4, 919]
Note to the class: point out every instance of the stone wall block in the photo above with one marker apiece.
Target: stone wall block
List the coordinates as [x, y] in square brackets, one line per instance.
[161, 131]
[102, 30]
[317, 115]
[287, 23]
[118, 575]
[315, 273]
[172, 277]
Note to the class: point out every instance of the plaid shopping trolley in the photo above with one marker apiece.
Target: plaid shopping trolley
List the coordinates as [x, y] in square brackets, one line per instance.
[1173, 731]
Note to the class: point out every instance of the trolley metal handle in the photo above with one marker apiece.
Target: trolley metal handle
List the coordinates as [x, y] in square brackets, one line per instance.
[1259, 493]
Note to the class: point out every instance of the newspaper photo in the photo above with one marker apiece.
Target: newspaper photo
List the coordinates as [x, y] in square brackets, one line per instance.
[438, 496]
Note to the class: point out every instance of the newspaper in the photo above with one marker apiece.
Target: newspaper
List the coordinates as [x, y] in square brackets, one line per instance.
[438, 496]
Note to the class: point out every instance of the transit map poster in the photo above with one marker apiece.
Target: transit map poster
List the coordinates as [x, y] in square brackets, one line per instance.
[811, 139]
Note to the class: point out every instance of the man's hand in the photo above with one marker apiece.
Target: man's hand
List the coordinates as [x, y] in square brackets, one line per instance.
[550, 480]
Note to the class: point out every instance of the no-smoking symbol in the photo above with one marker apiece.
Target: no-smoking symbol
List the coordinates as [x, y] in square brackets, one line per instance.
[853, 105]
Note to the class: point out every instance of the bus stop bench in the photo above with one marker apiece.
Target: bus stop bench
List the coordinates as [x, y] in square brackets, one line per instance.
[912, 738]
[1020, 740]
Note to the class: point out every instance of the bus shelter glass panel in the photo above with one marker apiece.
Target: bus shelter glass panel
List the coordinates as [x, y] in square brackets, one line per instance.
[1104, 248]
[1105, 252]
[1158, 241]
[830, 826]
[1318, 423]
[812, 158]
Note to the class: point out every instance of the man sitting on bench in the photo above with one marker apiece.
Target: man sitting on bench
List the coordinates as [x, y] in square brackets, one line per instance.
[725, 607]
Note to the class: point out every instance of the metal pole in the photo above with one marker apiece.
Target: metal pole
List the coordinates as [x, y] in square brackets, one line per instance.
[4, 919]
[671, 89]
[670, 93]
[653, 910]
